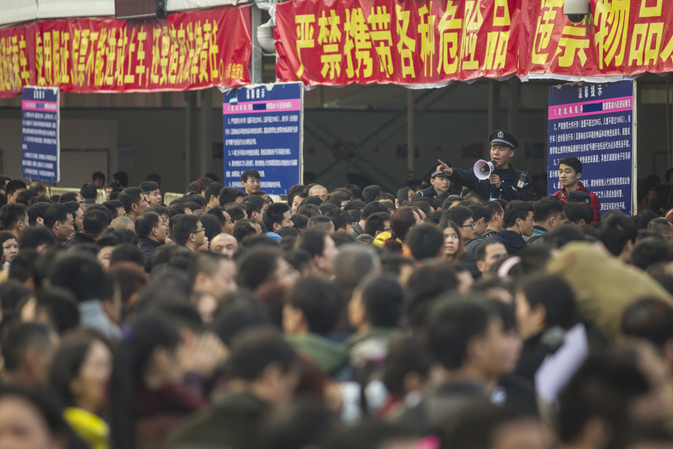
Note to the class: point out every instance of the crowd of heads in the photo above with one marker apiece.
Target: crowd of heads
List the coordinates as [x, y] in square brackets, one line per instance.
[344, 318]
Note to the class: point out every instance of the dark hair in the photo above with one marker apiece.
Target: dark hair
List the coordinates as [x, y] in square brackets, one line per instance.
[19, 338]
[319, 223]
[249, 174]
[340, 219]
[235, 211]
[98, 174]
[425, 284]
[60, 305]
[37, 210]
[299, 425]
[649, 251]
[148, 186]
[35, 236]
[95, 222]
[373, 208]
[309, 210]
[376, 223]
[494, 207]
[24, 264]
[257, 267]
[616, 230]
[561, 235]
[37, 187]
[121, 178]
[238, 311]
[129, 197]
[425, 241]
[145, 223]
[126, 252]
[177, 209]
[312, 241]
[383, 299]
[318, 300]
[405, 355]
[4, 236]
[516, 210]
[243, 229]
[604, 386]
[274, 214]
[572, 162]
[112, 207]
[11, 214]
[479, 211]
[401, 221]
[546, 207]
[213, 190]
[370, 193]
[228, 195]
[459, 215]
[211, 225]
[287, 231]
[555, 295]
[80, 274]
[255, 349]
[575, 212]
[207, 263]
[253, 203]
[650, 319]
[25, 196]
[133, 354]
[56, 212]
[184, 226]
[452, 323]
[299, 221]
[88, 192]
[14, 185]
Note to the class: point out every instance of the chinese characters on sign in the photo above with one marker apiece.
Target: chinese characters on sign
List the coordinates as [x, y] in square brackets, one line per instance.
[40, 147]
[263, 129]
[438, 41]
[190, 50]
[594, 123]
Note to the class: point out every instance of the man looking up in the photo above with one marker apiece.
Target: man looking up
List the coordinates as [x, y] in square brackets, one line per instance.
[134, 202]
[14, 218]
[569, 174]
[152, 192]
[60, 221]
[519, 223]
[12, 190]
[505, 182]
[151, 231]
[188, 231]
[250, 180]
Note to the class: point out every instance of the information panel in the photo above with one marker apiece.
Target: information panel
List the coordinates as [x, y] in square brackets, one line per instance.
[263, 130]
[40, 147]
[596, 124]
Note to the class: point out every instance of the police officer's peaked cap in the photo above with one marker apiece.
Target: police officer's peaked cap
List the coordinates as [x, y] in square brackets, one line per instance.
[499, 137]
[432, 172]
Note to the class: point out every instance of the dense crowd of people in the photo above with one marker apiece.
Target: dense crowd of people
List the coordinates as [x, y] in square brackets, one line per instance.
[457, 313]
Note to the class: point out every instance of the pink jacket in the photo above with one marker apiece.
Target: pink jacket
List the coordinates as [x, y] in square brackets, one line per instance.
[595, 201]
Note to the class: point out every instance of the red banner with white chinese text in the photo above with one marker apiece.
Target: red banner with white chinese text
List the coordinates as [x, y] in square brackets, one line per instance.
[192, 50]
[422, 42]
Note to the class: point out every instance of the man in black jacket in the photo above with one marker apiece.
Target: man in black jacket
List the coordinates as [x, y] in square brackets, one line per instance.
[151, 232]
[505, 182]
[94, 223]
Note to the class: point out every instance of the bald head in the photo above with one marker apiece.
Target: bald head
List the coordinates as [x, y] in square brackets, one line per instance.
[225, 244]
[319, 191]
[123, 222]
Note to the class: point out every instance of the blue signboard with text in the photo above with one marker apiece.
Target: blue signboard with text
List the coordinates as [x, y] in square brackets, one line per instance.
[263, 129]
[595, 123]
[40, 143]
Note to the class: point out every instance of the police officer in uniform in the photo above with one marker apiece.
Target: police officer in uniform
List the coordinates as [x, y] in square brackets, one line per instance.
[440, 185]
[505, 182]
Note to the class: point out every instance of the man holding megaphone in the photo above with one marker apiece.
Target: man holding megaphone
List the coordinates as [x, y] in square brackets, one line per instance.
[495, 179]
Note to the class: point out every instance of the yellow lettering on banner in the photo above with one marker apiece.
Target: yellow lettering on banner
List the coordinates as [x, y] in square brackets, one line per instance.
[56, 59]
[448, 40]
[129, 77]
[175, 55]
[328, 36]
[426, 28]
[214, 51]
[646, 43]
[357, 36]
[80, 46]
[501, 14]
[48, 64]
[121, 56]
[99, 64]
[496, 50]
[156, 54]
[473, 22]
[65, 56]
[612, 23]
[573, 43]
[304, 36]
[111, 55]
[15, 69]
[380, 33]
[204, 75]
[140, 64]
[39, 59]
[165, 55]
[406, 45]
[650, 11]
[544, 30]
[90, 65]
[25, 71]
[192, 68]
[182, 70]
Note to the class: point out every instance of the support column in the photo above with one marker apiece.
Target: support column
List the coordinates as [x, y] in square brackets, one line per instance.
[513, 106]
[411, 105]
[206, 132]
[191, 138]
[493, 88]
[256, 63]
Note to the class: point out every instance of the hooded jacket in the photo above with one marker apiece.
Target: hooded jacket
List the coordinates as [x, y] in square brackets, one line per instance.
[513, 242]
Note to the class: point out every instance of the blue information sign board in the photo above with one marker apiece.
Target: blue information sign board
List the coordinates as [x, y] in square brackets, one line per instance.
[263, 129]
[596, 124]
[40, 129]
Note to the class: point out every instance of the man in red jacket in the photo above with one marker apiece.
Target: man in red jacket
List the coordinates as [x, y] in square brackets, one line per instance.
[569, 174]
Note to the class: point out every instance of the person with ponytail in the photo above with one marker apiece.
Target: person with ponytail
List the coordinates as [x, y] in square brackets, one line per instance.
[402, 220]
[146, 396]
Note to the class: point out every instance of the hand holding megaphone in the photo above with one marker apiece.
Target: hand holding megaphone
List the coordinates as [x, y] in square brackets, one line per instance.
[484, 170]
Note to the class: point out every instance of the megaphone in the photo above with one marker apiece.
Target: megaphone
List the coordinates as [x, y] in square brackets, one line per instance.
[482, 169]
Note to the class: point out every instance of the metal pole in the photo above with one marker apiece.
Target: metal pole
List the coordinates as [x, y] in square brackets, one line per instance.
[410, 133]
[256, 65]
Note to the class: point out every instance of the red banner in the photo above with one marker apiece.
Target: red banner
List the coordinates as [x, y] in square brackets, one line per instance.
[186, 51]
[334, 42]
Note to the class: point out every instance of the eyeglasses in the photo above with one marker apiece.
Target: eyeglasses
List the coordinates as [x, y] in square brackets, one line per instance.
[471, 225]
[200, 230]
